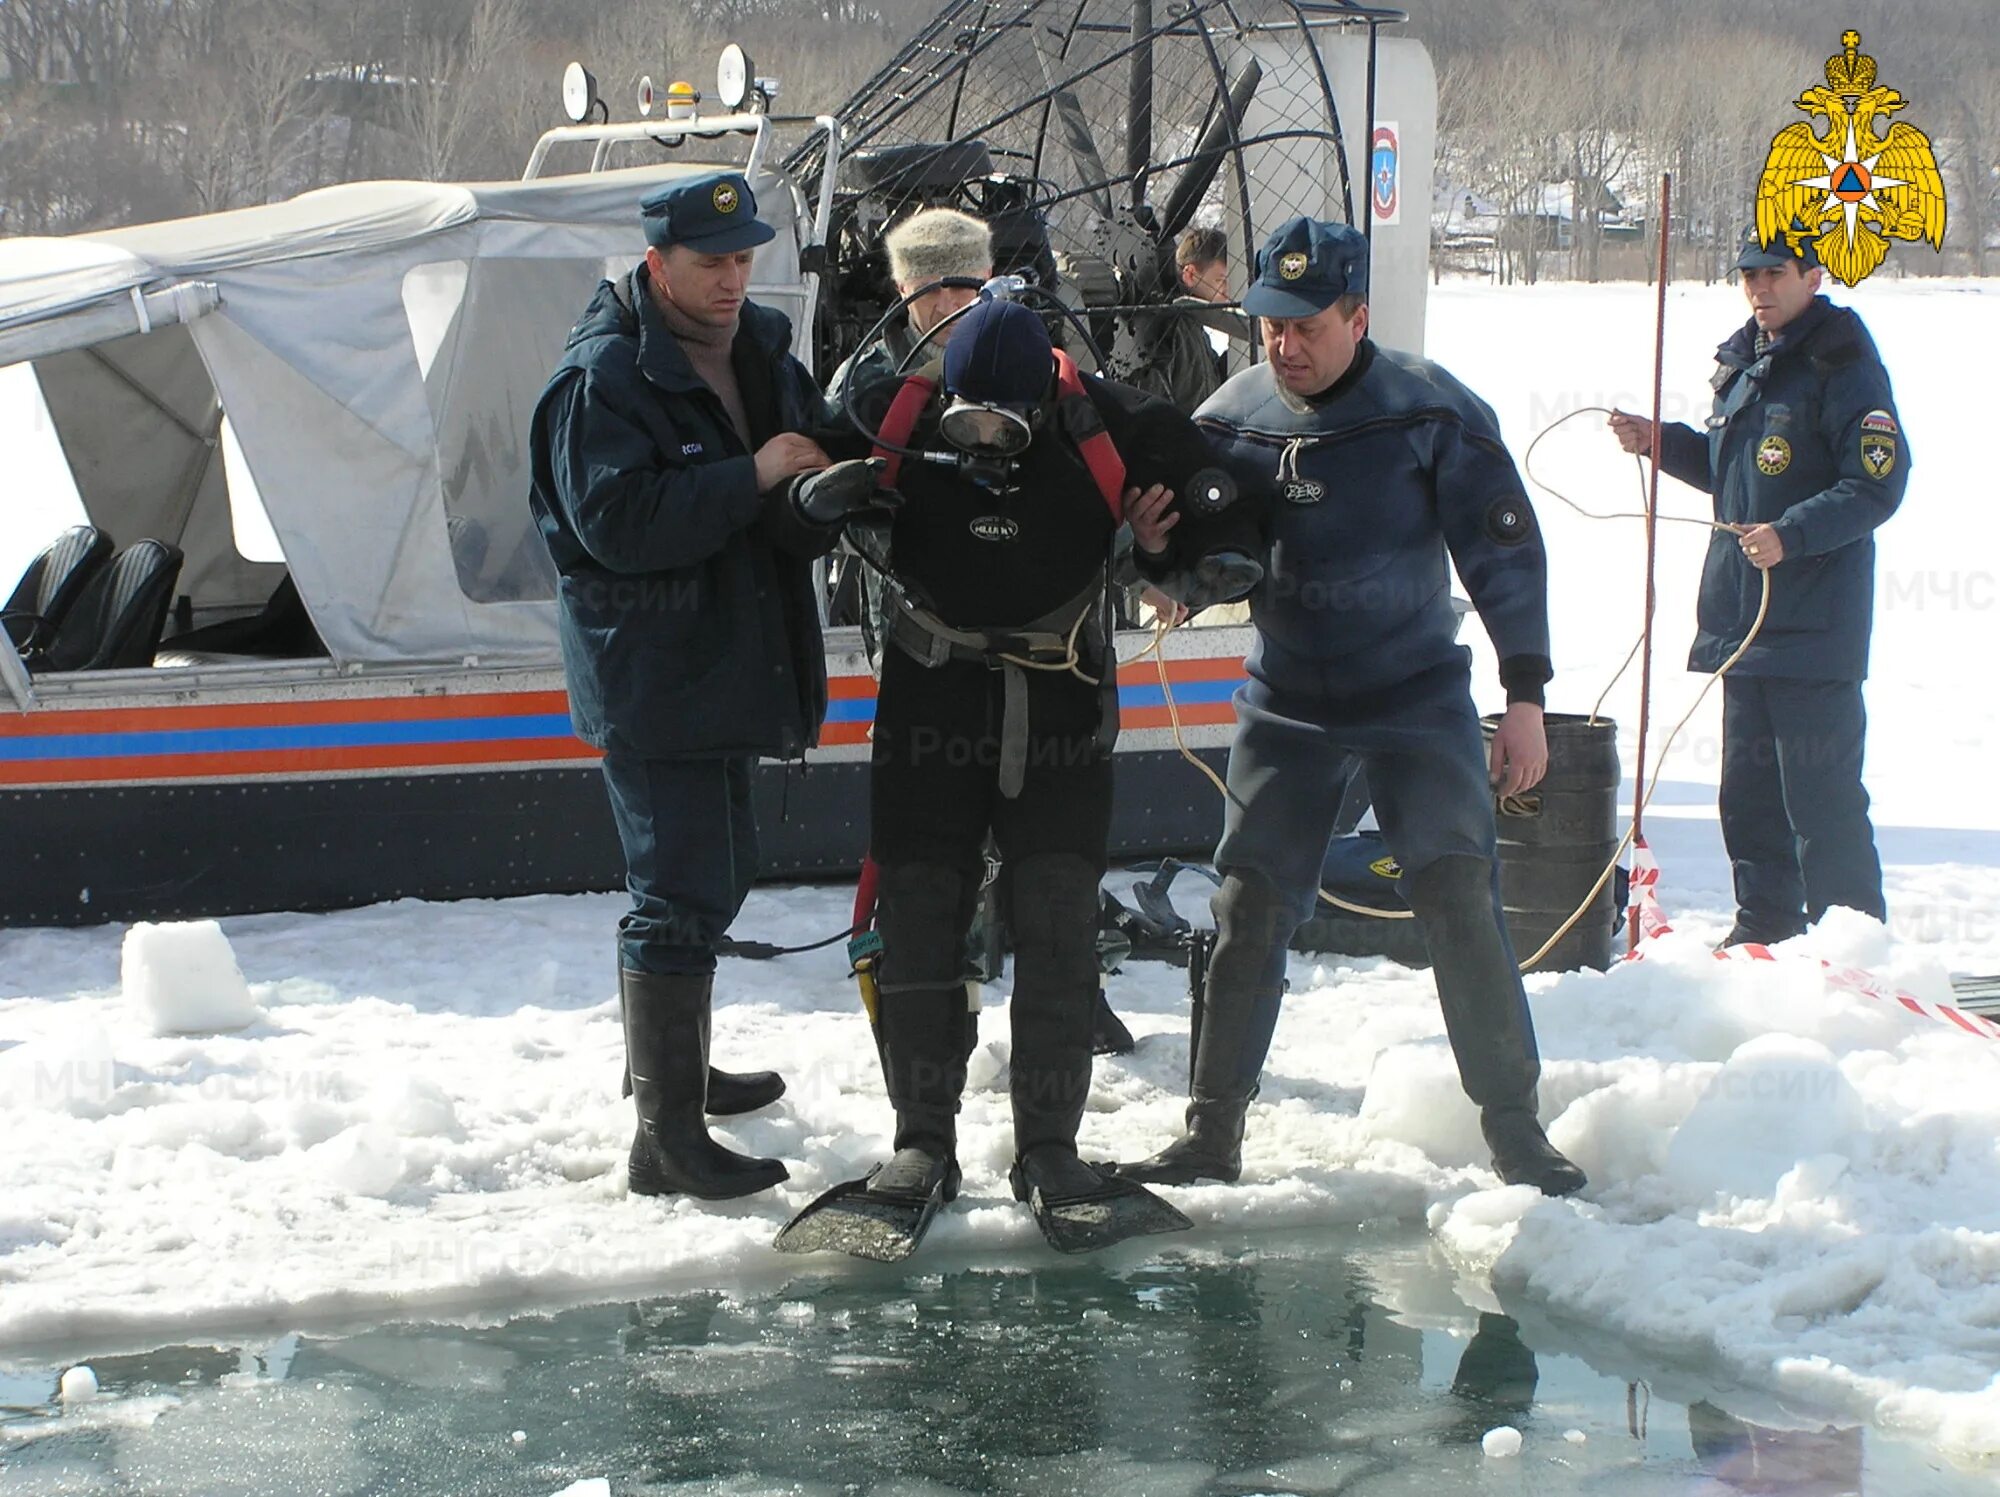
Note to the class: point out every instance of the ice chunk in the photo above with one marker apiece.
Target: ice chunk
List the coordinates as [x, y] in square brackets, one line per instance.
[363, 1161]
[79, 1385]
[593, 1486]
[1575, 1436]
[183, 978]
[1778, 1101]
[1849, 938]
[1502, 1442]
[414, 1107]
[1414, 1097]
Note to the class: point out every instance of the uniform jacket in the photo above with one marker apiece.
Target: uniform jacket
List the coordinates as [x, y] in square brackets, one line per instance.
[1807, 440]
[1380, 484]
[688, 620]
[1178, 360]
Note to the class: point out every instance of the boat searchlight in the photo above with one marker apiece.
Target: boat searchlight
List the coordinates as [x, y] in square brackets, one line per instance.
[579, 91]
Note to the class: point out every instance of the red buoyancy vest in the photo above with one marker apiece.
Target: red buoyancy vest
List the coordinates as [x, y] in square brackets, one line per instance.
[1080, 419]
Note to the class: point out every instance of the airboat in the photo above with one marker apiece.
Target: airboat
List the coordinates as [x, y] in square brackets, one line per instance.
[297, 649]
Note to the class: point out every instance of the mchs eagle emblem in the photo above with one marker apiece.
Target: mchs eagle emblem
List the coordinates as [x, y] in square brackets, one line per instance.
[1851, 190]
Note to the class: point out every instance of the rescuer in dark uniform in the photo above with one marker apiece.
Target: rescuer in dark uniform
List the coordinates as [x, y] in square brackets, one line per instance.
[682, 504]
[997, 710]
[1805, 457]
[1386, 471]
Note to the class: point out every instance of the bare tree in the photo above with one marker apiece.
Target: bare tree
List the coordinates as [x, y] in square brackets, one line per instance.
[445, 100]
[1596, 119]
[1971, 160]
[238, 93]
[189, 105]
[1506, 160]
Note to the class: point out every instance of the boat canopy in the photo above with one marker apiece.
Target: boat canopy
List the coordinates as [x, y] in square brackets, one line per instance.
[340, 385]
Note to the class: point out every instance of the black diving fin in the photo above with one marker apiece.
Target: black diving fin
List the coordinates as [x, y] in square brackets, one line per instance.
[1080, 1208]
[882, 1216]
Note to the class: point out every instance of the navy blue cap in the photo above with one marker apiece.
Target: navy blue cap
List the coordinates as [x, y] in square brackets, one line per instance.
[999, 354]
[1757, 256]
[713, 214]
[1306, 267]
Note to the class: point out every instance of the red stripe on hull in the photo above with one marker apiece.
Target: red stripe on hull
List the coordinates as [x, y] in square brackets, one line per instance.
[286, 714]
[295, 761]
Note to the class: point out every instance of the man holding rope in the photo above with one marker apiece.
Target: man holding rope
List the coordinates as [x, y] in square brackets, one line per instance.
[1386, 471]
[1805, 456]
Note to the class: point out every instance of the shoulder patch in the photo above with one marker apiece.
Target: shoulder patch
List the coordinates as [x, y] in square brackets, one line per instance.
[1878, 452]
[1879, 420]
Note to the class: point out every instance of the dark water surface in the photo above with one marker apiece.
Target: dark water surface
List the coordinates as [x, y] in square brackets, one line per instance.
[1346, 1364]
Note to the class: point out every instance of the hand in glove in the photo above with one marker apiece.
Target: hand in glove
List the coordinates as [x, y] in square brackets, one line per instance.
[842, 491]
[1219, 577]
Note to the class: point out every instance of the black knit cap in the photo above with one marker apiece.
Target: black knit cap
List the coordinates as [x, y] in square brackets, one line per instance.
[999, 354]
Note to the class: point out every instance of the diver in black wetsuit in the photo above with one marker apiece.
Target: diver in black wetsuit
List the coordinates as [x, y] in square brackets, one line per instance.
[997, 711]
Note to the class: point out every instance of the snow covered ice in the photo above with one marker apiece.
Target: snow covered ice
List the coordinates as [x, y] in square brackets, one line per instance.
[412, 1110]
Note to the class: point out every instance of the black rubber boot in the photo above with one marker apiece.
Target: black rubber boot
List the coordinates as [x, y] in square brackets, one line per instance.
[1108, 1034]
[666, 1054]
[1523, 1155]
[730, 1093]
[1210, 1149]
[1749, 933]
[1231, 1034]
[1486, 1016]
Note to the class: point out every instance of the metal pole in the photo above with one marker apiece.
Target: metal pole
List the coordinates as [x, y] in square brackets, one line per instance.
[1139, 101]
[1368, 148]
[1652, 528]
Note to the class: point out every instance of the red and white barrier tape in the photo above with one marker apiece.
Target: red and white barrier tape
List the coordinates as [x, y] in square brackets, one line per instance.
[1649, 918]
[1643, 907]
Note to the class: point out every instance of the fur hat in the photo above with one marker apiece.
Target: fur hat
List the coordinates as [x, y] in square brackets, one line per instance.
[936, 243]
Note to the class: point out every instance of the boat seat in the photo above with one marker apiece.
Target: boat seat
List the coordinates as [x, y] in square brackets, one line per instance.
[902, 171]
[117, 620]
[49, 588]
[281, 629]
